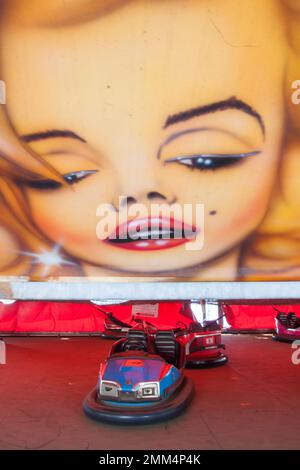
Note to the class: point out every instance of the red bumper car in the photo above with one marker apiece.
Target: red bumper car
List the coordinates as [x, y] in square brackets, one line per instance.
[287, 327]
[203, 344]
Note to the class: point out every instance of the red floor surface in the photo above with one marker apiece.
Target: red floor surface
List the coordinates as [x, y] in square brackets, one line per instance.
[251, 403]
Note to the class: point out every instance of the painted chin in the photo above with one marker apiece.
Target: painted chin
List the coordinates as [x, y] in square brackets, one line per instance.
[151, 234]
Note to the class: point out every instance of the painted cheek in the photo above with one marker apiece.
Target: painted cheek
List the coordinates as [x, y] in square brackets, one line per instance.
[249, 216]
[57, 229]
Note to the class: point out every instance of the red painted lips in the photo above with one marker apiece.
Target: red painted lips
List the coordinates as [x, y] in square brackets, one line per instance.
[153, 233]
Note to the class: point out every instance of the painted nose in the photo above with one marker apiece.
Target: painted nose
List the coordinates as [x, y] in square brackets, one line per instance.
[155, 195]
[150, 196]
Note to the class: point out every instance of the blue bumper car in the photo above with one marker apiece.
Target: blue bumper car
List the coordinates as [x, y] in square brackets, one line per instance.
[138, 385]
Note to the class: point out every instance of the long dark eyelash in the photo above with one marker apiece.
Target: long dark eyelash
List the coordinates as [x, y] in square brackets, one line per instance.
[43, 184]
[70, 178]
[211, 161]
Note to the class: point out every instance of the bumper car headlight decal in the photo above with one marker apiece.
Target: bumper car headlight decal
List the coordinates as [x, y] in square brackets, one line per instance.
[148, 390]
[109, 389]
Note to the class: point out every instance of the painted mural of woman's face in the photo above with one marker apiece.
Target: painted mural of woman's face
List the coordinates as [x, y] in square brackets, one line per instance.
[173, 101]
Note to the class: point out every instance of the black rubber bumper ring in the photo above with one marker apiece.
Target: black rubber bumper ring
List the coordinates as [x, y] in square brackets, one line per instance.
[286, 339]
[164, 410]
[221, 360]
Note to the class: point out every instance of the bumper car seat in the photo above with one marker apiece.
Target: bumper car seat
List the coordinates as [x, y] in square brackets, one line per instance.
[135, 341]
[292, 321]
[169, 348]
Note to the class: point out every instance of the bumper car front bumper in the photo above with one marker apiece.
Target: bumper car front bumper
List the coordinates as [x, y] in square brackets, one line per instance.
[110, 412]
[286, 338]
[199, 362]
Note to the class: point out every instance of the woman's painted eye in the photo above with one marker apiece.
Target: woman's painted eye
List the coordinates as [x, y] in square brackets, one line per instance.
[210, 161]
[77, 176]
[70, 178]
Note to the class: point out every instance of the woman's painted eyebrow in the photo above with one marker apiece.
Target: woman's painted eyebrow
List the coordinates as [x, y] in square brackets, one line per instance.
[230, 103]
[51, 134]
[175, 136]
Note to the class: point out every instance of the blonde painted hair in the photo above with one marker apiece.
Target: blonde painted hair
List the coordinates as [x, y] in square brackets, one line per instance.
[273, 251]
